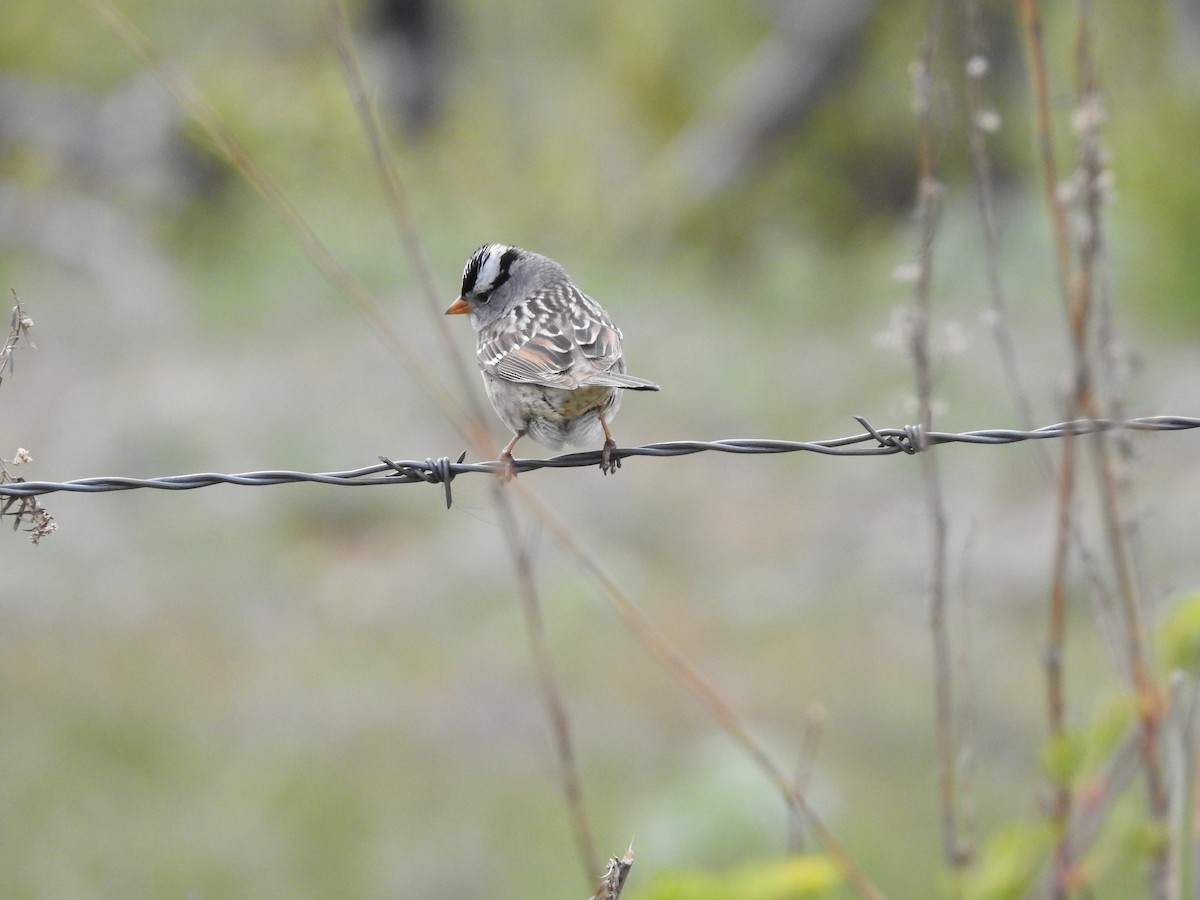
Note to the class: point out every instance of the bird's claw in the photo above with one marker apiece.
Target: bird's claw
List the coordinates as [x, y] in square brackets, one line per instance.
[609, 463]
[508, 468]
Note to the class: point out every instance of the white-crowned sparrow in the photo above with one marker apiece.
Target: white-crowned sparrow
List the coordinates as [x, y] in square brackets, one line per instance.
[549, 353]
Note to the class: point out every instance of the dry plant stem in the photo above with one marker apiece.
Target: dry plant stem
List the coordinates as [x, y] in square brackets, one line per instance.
[469, 426]
[613, 881]
[810, 744]
[1060, 808]
[397, 199]
[1151, 699]
[998, 307]
[985, 195]
[227, 144]
[565, 537]
[659, 646]
[410, 237]
[1183, 704]
[1067, 527]
[1031, 22]
[552, 696]
[928, 209]
[965, 712]
[1078, 288]
[1121, 767]
[1087, 819]
[24, 510]
[19, 327]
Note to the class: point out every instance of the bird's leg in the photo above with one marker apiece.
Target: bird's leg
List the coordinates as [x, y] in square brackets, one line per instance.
[608, 463]
[506, 458]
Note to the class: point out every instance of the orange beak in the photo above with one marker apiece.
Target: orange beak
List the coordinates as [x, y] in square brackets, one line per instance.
[459, 307]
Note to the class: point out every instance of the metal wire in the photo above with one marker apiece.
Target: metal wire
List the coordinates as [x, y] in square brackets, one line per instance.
[878, 442]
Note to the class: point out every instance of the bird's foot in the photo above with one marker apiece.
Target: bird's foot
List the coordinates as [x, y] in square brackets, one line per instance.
[609, 463]
[508, 468]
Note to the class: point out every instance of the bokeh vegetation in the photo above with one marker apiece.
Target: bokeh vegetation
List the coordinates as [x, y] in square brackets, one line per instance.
[314, 692]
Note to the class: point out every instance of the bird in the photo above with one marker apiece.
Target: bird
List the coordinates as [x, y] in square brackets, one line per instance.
[549, 354]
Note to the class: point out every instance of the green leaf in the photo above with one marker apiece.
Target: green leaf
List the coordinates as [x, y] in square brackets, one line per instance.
[1179, 634]
[795, 878]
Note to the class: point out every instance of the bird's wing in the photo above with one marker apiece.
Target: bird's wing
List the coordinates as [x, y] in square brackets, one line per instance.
[549, 341]
[598, 339]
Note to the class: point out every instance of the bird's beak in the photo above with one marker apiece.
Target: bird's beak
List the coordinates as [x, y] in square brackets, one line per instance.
[459, 307]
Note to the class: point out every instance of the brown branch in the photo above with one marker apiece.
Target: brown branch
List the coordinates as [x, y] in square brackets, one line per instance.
[19, 327]
[1031, 21]
[1092, 177]
[1077, 276]
[661, 649]
[657, 645]
[469, 425]
[24, 510]
[397, 202]
[928, 215]
[410, 238]
[1061, 803]
[229, 146]
[556, 707]
[984, 120]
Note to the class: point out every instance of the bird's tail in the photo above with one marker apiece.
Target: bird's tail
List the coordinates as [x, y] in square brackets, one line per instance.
[616, 380]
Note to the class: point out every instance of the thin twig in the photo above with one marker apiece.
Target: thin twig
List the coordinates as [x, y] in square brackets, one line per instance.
[235, 152]
[1091, 172]
[19, 327]
[397, 198]
[711, 701]
[613, 881]
[928, 215]
[1077, 284]
[966, 712]
[469, 424]
[552, 697]
[982, 121]
[1121, 768]
[410, 238]
[24, 508]
[1060, 809]
[1031, 21]
[810, 744]
[1184, 699]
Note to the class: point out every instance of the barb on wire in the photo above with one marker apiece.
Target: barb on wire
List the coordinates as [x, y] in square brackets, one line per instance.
[908, 439]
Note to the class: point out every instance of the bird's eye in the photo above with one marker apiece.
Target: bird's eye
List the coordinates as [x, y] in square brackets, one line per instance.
[484, 295]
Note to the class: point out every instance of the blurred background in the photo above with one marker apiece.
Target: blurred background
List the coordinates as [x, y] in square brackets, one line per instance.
[309, 691]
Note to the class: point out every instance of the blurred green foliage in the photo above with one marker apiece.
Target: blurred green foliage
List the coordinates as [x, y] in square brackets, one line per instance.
[315, 696]
[795, 878]
[1179, 635]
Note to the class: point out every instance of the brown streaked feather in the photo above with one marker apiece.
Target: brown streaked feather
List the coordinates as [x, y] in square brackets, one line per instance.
[598, 339]
[541, 360]
[549, 341]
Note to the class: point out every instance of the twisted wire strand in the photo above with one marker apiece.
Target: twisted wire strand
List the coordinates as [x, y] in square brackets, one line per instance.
[908, 439]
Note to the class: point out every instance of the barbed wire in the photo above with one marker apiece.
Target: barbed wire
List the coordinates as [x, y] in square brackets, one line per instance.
[908, 439]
